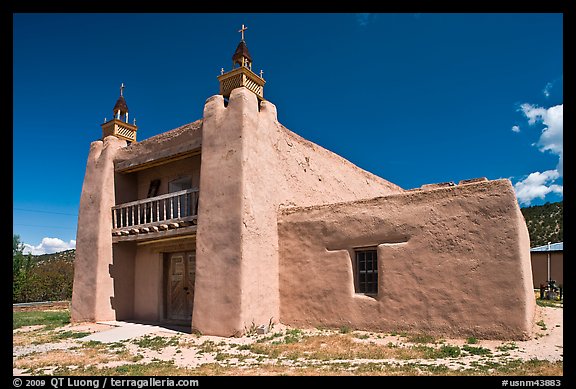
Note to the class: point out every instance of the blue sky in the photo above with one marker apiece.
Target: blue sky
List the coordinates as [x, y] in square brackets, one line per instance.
[413, 98]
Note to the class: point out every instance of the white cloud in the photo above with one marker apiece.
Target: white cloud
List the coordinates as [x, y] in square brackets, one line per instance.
[552, 136]
[532, 112]
[537, 185]
[49, 246]
[547, 88]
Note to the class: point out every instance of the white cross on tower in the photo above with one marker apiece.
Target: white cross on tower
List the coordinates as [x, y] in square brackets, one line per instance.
[122, 89]
[242, 30]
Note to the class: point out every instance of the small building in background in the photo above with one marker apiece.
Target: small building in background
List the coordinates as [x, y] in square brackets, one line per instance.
[547, 263]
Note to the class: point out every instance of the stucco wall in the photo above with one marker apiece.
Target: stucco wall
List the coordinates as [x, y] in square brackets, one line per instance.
[93, 288]
[451, 261]
[122, 273]
[540, 267]
[147, 284]
[250, 165]
[125, 187]
[218, 291]
[168, 172]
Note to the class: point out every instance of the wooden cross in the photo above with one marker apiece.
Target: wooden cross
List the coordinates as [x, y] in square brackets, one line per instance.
[121, 89]
[242, 30]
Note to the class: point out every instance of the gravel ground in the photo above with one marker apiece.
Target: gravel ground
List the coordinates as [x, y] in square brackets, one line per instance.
[193, 351]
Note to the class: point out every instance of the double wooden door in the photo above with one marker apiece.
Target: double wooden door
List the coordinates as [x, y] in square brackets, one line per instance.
[180, 286]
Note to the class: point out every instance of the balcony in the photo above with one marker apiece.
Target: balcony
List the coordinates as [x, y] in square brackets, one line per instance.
[170, 214]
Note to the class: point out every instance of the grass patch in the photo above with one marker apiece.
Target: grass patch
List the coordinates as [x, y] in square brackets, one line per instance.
[70, 335]
[63, 358]
[168, 368]
[293, 336]
[207, 347]
[550, 303]
[338, 347]
[421, 338]
[445, 351]
[345, 330]
[507, 347]
[93, 344]
[251, 330]
[155, 343]
[50, 319]
[38, 336]
[476, 350]
[270, 337]
[471, 340]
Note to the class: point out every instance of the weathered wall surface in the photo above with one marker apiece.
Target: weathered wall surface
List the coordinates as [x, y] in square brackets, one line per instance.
[218, 291]
[93, 288]
[168, 172]
[281, 167]
[250, 165]
[451, 261]
[540, 267]
[122, 273]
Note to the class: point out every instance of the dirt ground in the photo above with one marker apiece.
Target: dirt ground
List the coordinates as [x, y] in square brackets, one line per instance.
[284, 350]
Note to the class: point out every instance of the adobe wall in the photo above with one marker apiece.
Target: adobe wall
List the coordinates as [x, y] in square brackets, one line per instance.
[218, 289]
[540, 267]
[147, 284]
[250, 165]
[168, 172]
[122, 273]
[451, 261]
[93, 288]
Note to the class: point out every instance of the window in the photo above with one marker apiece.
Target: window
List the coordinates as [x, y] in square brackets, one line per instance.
[153, 188]
[181, 205]
[366, 270]
[180, 184]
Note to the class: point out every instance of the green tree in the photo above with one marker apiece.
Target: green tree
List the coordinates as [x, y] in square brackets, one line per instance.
[21, 266]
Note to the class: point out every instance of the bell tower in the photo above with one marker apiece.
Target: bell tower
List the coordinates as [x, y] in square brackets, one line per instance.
[119, 126]
[241, 73]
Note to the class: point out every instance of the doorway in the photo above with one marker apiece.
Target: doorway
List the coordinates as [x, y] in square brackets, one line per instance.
[180, 271]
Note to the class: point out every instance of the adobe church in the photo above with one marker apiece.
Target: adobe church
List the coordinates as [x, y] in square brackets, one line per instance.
[233, 221]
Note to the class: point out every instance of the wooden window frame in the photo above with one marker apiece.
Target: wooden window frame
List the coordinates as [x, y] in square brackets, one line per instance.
[366, 263]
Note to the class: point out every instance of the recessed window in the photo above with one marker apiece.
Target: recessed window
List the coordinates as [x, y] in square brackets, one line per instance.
[366, 271]
[180, 184]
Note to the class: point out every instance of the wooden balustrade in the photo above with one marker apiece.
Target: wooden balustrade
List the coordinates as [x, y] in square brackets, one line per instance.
[171, 210]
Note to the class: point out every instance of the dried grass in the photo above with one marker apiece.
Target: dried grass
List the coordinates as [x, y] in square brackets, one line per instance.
[77, 357]
[334, 347]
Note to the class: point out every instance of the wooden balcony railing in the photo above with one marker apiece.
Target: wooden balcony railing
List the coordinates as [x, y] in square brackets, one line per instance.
[172, 210]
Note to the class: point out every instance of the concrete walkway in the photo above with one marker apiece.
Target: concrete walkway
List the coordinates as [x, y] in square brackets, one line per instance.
[124, 331]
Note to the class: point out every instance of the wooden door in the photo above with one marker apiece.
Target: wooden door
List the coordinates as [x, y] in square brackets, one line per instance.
[180, 286]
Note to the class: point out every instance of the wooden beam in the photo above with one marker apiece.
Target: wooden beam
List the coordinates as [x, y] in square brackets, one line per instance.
[152, 237]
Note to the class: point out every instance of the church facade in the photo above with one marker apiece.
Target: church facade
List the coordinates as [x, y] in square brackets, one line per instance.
[234, 221]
